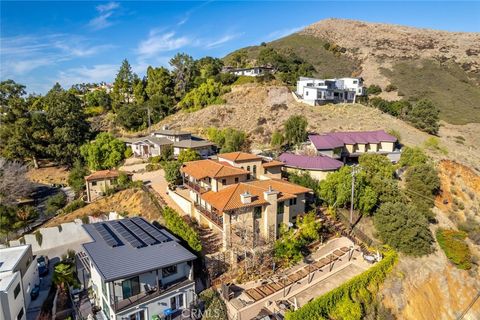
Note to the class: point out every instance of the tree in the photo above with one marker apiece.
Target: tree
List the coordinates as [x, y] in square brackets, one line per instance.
[69, 128]
[123, 85]
[98, 98]
[76, 177]
[25, 215]
[296, 129]
[8, 220]
[424, 115]
[376, 166]
[303, 179]
[139, 91]
[55, 203]
[159, 82]
[172, 171]
[206, 94]
[63, 276]
[309, 227]
[421, 185]
[105, 152]
[288, 247]
[9, 90]
[14, 184]
[412, 156]
[188, 155]
[228, 140]
[277, 139]
[402, 227]
[131, 117]
[184, 73]
[237, 59]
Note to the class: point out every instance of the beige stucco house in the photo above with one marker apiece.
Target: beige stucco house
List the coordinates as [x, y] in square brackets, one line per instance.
[242, 190]
[100, 181]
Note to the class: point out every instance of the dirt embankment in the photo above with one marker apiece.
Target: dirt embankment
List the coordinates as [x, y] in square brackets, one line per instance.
[260, 110]
[133, 202]
[49, 175]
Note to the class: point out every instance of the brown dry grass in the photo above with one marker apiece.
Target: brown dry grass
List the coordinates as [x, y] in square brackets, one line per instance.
[49, 175]
[133, 201]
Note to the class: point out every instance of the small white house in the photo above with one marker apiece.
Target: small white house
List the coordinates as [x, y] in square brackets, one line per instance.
[250, 72]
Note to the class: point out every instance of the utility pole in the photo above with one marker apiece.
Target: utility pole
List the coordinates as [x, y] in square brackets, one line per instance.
[354, 171]
[149, 119]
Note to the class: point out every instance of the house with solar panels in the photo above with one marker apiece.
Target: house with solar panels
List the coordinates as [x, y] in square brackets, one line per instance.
[138, 271]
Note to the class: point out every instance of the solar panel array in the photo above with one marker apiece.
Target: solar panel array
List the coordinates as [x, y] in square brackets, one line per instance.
[127, 234]
[136, 231]
[150, 229]
[107, 235]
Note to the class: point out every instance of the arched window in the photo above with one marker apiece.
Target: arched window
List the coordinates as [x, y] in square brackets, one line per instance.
[248, 168]
[254, 169]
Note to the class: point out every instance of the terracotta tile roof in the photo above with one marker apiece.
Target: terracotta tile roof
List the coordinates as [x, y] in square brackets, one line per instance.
[273, 163]
[281, 185]
[209, 168]
[229, 197]
[239, 156]
[105, 174]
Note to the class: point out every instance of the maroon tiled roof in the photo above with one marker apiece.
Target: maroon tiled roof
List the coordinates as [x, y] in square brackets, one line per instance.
[338, 139]
[310, 162]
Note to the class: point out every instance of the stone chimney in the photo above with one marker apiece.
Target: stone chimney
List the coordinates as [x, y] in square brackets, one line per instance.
[246, 197]
[270, 194]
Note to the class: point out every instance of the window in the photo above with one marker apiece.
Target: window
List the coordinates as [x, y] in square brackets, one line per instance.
[264, 171]
[20, 314]
[106, 309]
[257, 212]
[176, 302]
[248, 176]
[355, 81]
[306, 93]
[16, 291]
[94, 183]
[130, 287]
[293, 201]
[104, 289]
[168, 271]
[248, 168]
[140, 315]
[280, 207]
[254, 169]
[236, 180]
[224, 181]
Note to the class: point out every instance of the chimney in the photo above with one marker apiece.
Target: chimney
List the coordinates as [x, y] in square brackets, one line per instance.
[246, 197]
[270, 194]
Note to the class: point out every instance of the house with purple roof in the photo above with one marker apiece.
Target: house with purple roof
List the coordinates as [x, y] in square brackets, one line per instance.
[350, 145]
[317, 166]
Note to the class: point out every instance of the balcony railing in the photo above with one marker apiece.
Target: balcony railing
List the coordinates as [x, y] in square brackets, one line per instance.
[196, 187]
[213, 215]
[151, 294]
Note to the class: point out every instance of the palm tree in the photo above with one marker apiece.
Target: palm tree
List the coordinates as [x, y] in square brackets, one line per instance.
[63, 276]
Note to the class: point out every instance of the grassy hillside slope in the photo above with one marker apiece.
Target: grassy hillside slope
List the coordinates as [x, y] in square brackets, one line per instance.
[438, 65]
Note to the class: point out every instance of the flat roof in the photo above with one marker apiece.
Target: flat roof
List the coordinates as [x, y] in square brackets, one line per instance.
[6, 279]
[9, 257]
[127, 247]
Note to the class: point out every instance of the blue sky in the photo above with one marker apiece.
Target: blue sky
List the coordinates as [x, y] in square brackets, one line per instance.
[72, 42]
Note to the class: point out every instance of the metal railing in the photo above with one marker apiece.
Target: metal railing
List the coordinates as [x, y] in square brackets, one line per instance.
[196, 186]
[212, 215]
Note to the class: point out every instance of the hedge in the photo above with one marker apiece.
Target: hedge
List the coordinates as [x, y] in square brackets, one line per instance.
[175, 223]
[348, 300]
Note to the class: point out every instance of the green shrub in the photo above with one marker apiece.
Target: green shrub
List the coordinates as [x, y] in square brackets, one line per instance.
[244, 80]
[153, 167]
[374, 89]
[39, 237]
[55, 203]
[94, 111]
[128, 152]
[456, 249]
[390, 87]
[206, 94]
[349, 300]
[74, 205]
[175, 223]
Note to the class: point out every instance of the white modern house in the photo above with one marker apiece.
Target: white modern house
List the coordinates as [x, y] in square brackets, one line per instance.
[151, 146]
[322, 91]
[18, 276]
[250, 72]
[138, 271]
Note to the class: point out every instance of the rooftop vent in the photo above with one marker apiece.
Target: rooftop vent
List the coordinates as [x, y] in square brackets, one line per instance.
[246, 197]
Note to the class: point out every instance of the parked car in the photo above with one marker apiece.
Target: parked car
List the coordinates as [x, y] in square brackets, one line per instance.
[42, 263]
[34, 293]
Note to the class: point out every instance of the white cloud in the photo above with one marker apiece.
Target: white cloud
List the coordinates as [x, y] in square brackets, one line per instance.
[158, 42]
[22, 54]
[283, 33]
[222, 40]
[97, 73]
[105, 11]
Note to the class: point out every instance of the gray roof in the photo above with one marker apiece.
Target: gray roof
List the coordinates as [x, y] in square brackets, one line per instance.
[155, 140]
[192, 143]
[127, 247]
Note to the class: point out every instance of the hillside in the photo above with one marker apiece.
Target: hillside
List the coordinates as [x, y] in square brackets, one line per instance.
[439, 65]
[260, 110]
